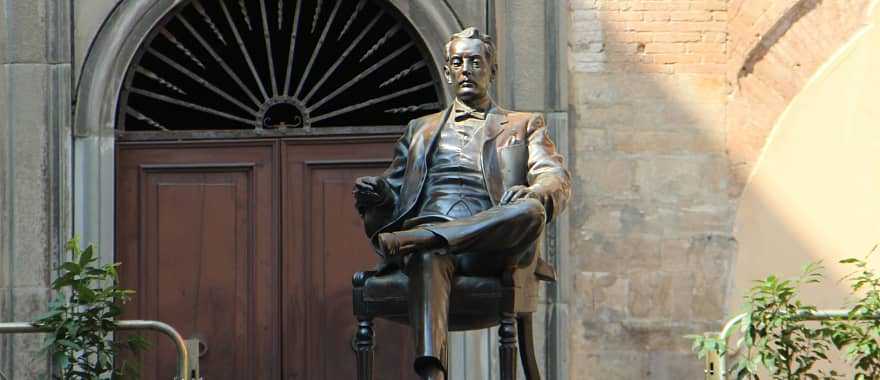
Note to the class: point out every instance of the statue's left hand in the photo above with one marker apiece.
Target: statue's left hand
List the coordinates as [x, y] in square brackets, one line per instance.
[515, 193]
[370, 192]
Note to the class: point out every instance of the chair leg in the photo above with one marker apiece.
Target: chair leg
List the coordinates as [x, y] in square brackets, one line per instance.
[507, 349]
[364, 348]
[527, 346]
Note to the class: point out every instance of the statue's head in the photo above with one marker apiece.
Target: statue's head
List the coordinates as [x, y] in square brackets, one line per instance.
[470, 64]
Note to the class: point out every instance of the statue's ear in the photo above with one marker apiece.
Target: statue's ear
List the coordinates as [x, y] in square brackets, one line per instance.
[447, 74]
[494, 71]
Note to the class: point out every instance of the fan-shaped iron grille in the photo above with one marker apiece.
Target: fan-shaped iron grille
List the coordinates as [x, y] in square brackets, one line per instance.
[278, 64]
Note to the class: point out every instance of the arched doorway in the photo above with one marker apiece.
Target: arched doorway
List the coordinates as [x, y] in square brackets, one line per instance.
[239, 129]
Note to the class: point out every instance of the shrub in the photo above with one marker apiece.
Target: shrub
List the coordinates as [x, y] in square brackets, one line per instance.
[776, 340]
[83, 316]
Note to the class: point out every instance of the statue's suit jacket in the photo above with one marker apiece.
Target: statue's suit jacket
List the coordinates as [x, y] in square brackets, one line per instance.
[517, 150]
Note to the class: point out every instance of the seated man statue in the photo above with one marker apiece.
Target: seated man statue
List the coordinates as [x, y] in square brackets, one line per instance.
[468, 193]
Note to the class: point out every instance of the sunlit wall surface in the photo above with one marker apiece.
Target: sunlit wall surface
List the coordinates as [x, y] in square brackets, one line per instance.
[815, 193]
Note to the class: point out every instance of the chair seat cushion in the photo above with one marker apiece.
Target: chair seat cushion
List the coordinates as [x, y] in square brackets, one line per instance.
[394, 287]
[475, 302]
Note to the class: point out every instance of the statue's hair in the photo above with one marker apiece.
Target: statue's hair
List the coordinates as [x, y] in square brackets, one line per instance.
[474, 33]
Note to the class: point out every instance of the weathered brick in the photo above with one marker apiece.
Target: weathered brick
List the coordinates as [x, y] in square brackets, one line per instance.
[652, 16]
[622, 47]
[659, 5]
[582, 4]
[714, 58]
[702, 68]
[650, 295]
[630, 364]
[582, 15]
[603, 295]
[719, 16]
[702, 47]
[679, 26]
[676, 37]
[709, 5]
[676, 58]
[679, 180]
[659, 142]
[594, 36]
[690, 16]
[664, 47]
[611, 16]
[590, 140]
[607, 176]
[714, 37]
[609, 4]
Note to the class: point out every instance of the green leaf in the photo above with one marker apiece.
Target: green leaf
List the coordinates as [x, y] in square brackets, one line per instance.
[72, 267]
[69, 344]
[52, 313]
[80, 324]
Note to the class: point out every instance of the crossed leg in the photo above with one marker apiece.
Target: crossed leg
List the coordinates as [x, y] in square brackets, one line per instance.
[484, 244]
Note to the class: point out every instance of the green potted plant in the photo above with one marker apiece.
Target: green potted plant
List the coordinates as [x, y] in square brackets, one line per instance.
[83, 316]
[777, 343]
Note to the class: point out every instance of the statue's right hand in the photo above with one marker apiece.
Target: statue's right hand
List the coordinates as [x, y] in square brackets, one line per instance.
[370, 191]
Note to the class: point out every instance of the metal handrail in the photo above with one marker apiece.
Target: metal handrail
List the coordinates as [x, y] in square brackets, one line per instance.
[716, 365]
[182, 355]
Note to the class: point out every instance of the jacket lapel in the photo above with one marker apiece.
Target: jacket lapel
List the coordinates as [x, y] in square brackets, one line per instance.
[417, 172]
[430, 132]
[495, 121]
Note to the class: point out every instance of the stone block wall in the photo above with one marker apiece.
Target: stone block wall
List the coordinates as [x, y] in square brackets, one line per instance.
[651, 223]
[34, 141]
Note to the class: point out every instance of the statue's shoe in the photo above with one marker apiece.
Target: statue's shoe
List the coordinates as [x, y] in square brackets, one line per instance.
[403, 243]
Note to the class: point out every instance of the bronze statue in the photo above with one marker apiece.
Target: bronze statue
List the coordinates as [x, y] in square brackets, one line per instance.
[468, 192]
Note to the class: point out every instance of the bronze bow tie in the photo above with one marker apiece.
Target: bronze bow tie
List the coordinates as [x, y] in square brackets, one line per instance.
[464, 115]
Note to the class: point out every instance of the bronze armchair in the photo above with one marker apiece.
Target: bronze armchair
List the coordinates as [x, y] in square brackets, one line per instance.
[476, 303]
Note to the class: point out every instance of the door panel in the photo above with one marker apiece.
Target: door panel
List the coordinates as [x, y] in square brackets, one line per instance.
[325, 243]
[196, 234]
[251, 246]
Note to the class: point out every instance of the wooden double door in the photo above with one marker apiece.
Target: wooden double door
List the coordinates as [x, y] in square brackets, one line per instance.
[250, 246]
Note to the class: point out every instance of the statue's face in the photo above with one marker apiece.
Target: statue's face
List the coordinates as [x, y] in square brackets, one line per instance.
[469, 69]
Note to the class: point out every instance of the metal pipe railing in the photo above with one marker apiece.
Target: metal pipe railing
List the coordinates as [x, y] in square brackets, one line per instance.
[182, 354]
[716, 365]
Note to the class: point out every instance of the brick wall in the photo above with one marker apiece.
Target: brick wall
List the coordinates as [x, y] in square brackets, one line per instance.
[775, 47]
[672, 101]
[652, 216]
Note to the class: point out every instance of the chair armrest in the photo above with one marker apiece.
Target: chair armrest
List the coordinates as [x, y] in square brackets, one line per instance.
[360, 278]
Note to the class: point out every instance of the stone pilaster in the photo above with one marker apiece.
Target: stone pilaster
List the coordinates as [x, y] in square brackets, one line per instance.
[35, 145]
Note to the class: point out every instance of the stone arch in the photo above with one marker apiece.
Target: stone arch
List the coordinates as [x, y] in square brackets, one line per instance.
[129, 24]
[812, 194]
[774, 49]
[102, 77]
